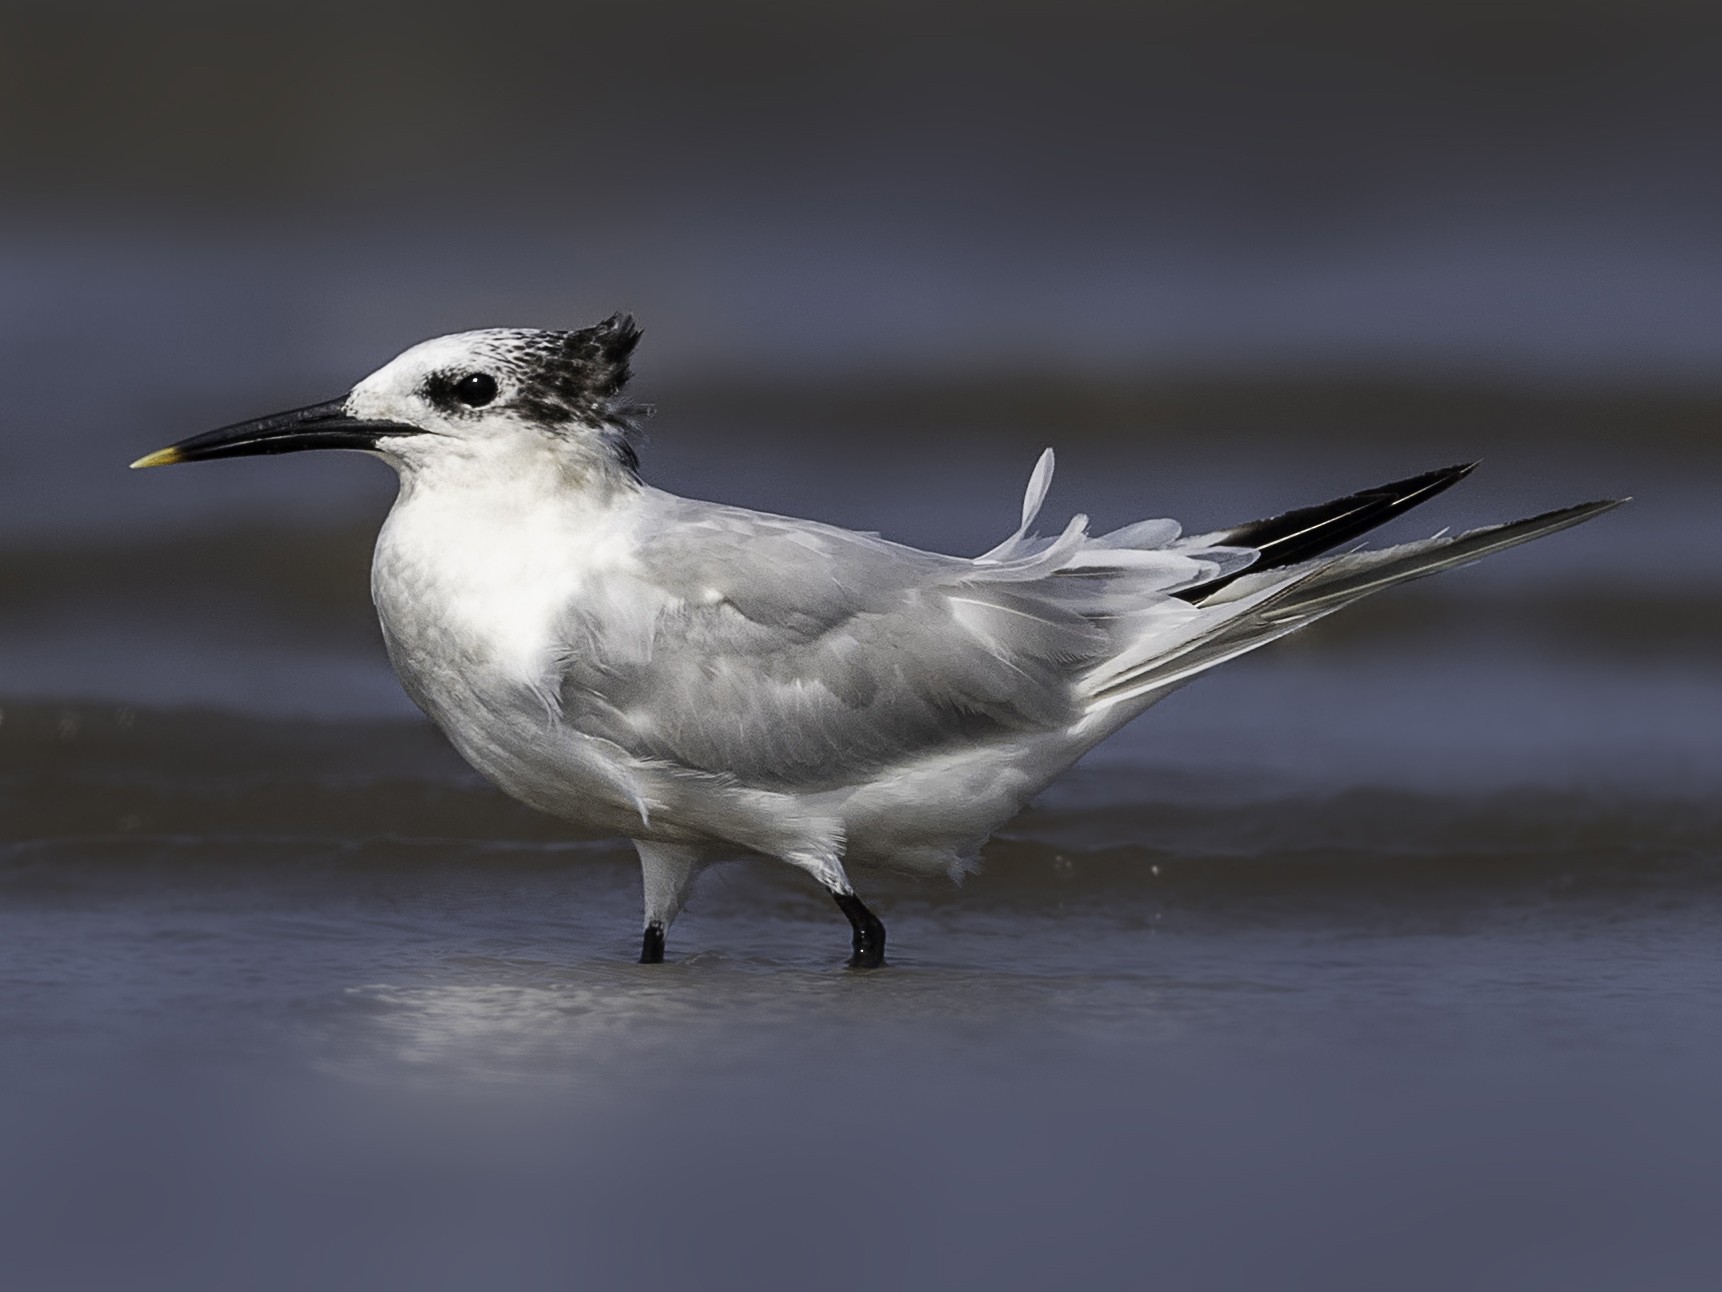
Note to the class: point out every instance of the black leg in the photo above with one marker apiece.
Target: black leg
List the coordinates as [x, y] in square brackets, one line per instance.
[652, 949]
[869, 932]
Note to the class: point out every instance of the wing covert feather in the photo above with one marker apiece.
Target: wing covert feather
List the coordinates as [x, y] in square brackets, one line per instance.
[786, 653]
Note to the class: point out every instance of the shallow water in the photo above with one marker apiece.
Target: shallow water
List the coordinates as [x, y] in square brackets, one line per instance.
[290, 1002]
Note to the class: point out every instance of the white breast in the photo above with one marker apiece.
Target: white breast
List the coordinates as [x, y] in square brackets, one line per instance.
[483, 600]
[472, 583]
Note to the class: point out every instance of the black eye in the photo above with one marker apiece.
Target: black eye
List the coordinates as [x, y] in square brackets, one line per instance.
[476, 389]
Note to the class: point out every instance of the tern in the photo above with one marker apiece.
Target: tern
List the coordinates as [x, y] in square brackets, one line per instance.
[710, 681]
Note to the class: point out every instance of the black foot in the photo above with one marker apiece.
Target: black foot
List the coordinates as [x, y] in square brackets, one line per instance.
[652, 949]
[869, 932]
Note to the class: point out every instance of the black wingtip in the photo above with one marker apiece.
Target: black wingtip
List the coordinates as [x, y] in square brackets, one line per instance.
[1309, 531]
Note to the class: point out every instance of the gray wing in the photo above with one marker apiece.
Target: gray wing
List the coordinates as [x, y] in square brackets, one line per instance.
[791, 654]
[794, 655]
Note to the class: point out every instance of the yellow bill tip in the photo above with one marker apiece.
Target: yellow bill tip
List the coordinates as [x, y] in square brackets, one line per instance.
[160, 458]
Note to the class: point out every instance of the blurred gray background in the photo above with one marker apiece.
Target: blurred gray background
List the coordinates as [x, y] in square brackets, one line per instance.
[208, 205]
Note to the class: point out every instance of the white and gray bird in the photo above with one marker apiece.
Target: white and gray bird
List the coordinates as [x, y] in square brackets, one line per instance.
[711, 681]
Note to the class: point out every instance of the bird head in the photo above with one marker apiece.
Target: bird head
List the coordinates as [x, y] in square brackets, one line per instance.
[458, 400]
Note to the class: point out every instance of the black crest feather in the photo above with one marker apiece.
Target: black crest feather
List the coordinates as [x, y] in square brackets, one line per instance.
[578, 376]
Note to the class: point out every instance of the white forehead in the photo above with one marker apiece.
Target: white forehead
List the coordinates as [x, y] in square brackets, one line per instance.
[458, 352]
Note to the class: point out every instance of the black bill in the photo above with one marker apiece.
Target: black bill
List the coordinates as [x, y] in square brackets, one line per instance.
[321, 426]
